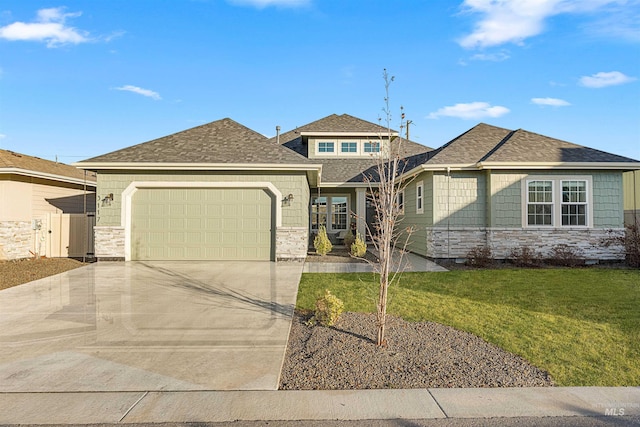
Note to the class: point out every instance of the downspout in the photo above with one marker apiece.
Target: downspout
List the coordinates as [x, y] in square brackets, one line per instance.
[448, 211]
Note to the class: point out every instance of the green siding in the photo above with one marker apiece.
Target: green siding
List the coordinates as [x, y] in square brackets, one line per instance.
[506, 197]
[295, 215]
[420, 222]
[459, 199]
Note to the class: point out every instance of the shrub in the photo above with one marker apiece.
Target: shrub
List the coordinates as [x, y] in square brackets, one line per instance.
[566, 256]
[321, 242]
[359, 246]
[525, 256]
[631, 242]
[328, 309]
[349, 238]
[480, 256]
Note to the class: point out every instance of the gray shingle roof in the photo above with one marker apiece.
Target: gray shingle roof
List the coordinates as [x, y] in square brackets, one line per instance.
[343, 170]
[222, 141]
[525, 146]
[11, 160]
[486, 143]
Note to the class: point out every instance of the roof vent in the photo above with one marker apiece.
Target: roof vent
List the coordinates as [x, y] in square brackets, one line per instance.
[278, 135]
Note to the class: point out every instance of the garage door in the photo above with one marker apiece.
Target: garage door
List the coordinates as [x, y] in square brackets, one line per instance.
[201, 224]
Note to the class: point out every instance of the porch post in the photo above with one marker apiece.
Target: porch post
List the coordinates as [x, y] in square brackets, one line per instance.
[361, 211]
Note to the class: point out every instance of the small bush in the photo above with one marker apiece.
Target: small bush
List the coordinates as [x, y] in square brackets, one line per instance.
[328, 309]
[632, 245]
[480, 256]
[321, 242]
[565, 256]
[349, 238]
[525, 256]
[359, 246]
[631, 242]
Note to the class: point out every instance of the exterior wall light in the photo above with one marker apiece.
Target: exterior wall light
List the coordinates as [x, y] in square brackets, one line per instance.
[287, 200]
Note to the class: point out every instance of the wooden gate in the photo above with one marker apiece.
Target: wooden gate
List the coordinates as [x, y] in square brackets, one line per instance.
[70, 235]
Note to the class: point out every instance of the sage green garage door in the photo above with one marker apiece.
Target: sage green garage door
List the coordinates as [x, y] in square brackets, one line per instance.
[201, 224]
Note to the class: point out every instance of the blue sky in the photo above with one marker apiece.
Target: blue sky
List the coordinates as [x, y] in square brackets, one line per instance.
[82, 78]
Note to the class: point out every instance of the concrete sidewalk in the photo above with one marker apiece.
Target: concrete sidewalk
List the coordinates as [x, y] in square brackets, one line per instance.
[410, 263]
[221, 406]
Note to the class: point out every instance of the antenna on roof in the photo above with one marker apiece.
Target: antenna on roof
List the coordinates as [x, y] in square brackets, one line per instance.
[408, 123]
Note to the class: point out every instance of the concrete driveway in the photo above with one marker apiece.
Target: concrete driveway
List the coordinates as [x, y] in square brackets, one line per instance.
[143, 326]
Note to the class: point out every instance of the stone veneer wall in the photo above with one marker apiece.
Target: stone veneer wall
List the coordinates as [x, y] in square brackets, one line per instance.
[457, 242]
[109, 243]
[292, 243]
[16, 239]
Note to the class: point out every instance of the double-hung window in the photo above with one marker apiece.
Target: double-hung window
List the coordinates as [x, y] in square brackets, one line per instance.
[540, 202]
[574, 203]
[558, 202]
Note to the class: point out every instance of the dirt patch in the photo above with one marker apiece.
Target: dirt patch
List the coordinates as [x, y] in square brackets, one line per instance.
[17, 272]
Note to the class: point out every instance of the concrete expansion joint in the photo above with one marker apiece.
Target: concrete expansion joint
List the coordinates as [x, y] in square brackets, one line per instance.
[133, 406]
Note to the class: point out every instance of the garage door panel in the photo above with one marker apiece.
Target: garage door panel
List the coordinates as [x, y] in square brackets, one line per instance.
[224, 224]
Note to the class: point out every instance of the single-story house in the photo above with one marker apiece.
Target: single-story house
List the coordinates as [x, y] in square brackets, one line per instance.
[222, 191]
[40, 201]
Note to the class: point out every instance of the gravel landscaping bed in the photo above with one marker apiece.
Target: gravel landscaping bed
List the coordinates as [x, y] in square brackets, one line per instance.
[418, 355]
[338, 255]
[17, 272]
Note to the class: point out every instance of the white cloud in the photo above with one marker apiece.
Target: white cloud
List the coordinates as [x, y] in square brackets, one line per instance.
[472, 110]
[513, 21]
[140, 91]
[554, 102]
[604, 79]
[49, 27]
[2, 136]
[495, 57]
[261, 4]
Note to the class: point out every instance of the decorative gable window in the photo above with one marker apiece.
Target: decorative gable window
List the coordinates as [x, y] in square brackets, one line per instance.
[420, 197]
[326, 147]
[372, 147]
[349, 147]
[558, 202]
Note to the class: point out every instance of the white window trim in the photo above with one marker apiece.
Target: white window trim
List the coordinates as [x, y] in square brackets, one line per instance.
[420, 197]
[349, 154]
[327, 154]
[556, 217]
[329, 198]
[371, 153]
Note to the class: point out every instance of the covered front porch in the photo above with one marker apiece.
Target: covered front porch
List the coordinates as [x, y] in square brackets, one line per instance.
[340, 209]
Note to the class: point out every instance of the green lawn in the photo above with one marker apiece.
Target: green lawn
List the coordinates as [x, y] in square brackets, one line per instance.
[581, 325]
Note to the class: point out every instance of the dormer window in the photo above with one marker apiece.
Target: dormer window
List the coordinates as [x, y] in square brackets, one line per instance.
[349, 147]
[326, 147]
[371, 147]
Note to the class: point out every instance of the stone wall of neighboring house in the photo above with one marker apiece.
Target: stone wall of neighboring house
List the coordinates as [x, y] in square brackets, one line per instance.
[109, 243]
[456, 242]
[16, 239]
[292, 243]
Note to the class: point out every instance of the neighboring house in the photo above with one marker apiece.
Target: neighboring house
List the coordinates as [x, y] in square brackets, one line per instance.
[38, 199]
[631, 182]
[223, 191]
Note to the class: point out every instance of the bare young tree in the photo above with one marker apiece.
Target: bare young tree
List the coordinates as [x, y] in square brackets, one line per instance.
[389, 240]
